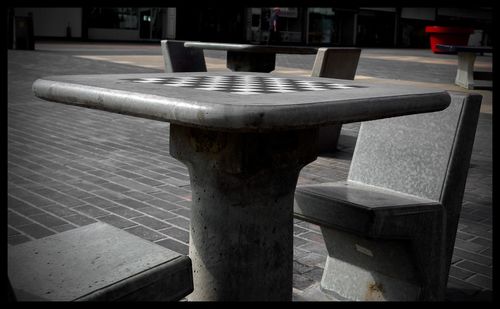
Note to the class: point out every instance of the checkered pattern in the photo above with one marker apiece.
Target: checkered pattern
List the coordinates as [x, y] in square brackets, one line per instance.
[243, 85]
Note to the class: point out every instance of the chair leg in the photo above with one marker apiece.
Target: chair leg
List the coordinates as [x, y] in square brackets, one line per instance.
[328, 138]
[430, 253]
[361, 269]
[368, 269]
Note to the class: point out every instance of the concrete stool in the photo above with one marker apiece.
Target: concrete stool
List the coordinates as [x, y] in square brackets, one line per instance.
[390, 228]
[97, 262]
[177, 58]
[334, 62]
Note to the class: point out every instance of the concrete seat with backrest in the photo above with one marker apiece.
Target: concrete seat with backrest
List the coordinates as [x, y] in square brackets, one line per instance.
[177, 58]
[390, 228]
[97, 262]
[334, 62]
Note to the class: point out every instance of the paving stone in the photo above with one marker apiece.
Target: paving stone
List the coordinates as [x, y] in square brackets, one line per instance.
[12, 232]
[479, 258]
[35, 230]
[117, 221]
[460, 273]
[484, 282]
[482, 241]
[313, 236]
[17, 220]
[297, 230]
[151, 222]
[47, 220]
[158, 213]
[124, 212]
[91, 211]
[174, 245]
[22, 207]
[132, 203]
[79, 220]
[475, 267]
[167, 197]
[100, 202]
[17, 239]
[32, 198]
[468, 246]
[178, 234]
[297, 241]
[183, 212]
[311, 259]
[163, 204]
[59, 210]
[314, 274]
[179, 222]
[300, 282]
[63, 227]
[140, 196]
[145, 233]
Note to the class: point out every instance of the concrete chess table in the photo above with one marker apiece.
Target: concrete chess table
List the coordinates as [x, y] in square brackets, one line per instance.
[251, 58]
[245, 138]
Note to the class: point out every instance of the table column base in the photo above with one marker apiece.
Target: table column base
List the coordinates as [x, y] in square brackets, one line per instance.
[243, 184]
[250, 62]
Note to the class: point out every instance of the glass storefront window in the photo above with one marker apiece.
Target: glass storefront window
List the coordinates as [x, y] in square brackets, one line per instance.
[290, 24]
[113, 18]
[321, 25]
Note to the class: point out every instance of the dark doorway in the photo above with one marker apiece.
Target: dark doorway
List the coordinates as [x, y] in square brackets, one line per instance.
[145, 24]
[376, 28]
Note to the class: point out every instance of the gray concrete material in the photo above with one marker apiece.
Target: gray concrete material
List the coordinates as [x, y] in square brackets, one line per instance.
[334, 62]
[423, 155]
[271, 49]
[177, 58]
[338, 63]
[97, 262]
[367, 270]
[54, 132]
[358, 208]
[251, 58]
[384, 163]
[229, 111]
[241, 240]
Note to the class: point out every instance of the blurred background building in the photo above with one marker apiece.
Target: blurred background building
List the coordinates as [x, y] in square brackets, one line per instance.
[363, 26]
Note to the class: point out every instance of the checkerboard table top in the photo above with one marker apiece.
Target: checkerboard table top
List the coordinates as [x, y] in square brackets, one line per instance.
[244, 85]
[239, 100]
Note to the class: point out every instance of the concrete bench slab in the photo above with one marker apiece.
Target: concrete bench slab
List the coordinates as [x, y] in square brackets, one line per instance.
[357, 208]
[97, 262]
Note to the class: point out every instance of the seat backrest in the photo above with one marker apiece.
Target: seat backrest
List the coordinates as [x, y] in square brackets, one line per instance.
[413, 154]
[336, 62]
[178, 58]
[426, 155]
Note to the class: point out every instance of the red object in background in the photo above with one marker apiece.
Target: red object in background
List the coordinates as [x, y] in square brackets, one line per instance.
[448, 36]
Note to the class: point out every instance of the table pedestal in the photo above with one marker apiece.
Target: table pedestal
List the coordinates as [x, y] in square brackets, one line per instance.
[465, 71]
[243, 184]
[250, 61]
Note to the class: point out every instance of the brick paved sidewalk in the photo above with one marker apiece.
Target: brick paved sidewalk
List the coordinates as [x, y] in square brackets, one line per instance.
[70, 166]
